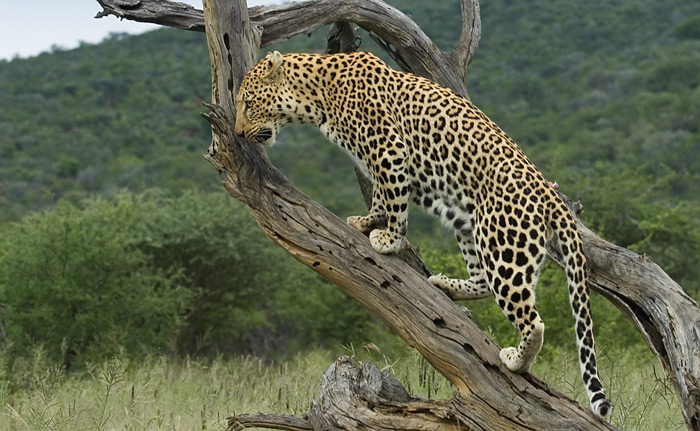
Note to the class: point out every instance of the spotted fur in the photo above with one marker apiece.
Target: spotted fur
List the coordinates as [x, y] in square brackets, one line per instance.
[420, 141]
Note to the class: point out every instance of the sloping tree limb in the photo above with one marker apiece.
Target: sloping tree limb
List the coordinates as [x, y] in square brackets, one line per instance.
[465, 49]
[489, 397]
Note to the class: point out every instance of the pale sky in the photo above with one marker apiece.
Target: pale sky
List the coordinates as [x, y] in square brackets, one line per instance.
[29, 27]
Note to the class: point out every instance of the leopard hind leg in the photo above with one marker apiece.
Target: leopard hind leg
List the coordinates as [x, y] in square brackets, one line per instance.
[512, 272]
[476, 286]
[518, 304]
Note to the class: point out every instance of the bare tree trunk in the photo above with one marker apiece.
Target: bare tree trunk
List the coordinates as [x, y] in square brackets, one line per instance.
[488, 396]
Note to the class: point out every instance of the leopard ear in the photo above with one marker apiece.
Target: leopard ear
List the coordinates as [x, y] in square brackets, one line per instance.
[276, 68]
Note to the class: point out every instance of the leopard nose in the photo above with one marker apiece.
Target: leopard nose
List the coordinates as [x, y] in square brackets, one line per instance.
[238, 128]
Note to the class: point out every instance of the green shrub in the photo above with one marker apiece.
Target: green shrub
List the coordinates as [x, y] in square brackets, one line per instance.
[157, 272]
[252, 297]
[688, 29]
[74, 281]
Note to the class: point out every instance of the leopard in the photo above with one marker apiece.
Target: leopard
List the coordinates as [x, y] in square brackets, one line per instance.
[419, 141]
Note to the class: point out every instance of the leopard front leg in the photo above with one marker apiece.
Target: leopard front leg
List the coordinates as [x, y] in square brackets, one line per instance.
[375, 219]
[393, 187]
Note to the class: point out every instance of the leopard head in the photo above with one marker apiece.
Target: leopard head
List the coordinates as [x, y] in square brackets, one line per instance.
[258, 102]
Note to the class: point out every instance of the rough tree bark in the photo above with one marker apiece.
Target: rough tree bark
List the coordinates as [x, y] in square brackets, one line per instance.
[488, 396]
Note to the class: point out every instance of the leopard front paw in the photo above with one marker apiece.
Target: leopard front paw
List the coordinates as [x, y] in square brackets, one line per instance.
[367, 223]
[386, 242]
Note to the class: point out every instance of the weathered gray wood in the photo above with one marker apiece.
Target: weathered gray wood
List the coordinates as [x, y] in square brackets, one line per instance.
[341, 38]
[464, 51]
[489, 397]
[266, 420]
[171, 14]
[352, 395]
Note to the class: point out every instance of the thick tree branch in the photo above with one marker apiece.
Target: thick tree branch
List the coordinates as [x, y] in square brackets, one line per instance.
[266, 420]
[465, 49]
[342, 38]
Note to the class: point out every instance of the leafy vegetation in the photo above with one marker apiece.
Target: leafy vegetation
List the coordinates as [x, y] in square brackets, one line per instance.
[153, 273]
[79, 272]
[100, 118]
[115, 238]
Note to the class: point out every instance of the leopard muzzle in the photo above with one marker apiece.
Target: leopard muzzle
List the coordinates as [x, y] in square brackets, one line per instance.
[263, 136]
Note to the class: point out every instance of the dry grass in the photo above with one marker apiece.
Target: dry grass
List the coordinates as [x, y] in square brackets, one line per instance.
[186, 394]
[163, 394]
[642, 395]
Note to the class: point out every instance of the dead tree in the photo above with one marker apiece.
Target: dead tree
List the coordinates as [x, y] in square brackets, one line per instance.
[487, 395]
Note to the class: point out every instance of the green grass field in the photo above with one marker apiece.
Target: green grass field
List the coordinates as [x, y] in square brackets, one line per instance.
[187, 394]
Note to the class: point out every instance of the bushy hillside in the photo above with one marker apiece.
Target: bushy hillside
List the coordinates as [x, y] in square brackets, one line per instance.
[94, 119]
[604, 96]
